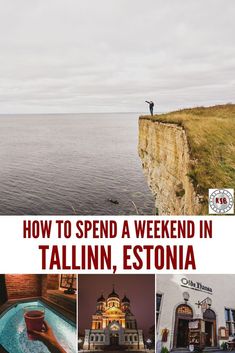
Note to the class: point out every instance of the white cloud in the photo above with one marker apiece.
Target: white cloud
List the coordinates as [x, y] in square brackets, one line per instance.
[111, 55]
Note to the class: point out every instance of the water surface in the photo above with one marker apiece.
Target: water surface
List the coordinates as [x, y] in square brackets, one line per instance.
[13, 333]
[71, 164]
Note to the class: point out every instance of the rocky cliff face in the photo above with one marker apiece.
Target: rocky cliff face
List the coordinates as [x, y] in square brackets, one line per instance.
[164, 152]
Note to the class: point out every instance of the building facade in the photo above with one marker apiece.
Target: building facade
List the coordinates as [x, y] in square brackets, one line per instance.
[113, 324]
[195, 310]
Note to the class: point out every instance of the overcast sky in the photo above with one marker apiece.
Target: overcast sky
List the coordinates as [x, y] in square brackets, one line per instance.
[110, 55]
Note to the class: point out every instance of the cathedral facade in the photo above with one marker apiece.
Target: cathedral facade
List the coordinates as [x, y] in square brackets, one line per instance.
[113, 324]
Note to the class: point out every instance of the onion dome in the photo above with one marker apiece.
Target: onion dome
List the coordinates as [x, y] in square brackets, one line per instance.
[125, 299]
[101, 299]
[113, 294]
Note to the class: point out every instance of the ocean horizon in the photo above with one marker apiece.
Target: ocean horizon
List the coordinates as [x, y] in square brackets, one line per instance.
[83, 163]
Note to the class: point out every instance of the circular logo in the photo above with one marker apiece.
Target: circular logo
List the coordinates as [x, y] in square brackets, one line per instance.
[184, 281]
[221, 201]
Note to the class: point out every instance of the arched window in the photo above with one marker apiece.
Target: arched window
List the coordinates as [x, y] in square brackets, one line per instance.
[209, 315]
[184, 310]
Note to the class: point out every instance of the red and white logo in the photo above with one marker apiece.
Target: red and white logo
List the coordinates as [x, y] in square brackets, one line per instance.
[221, 201]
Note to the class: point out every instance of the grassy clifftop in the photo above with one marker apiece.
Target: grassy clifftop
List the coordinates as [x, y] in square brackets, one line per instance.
[211, 138]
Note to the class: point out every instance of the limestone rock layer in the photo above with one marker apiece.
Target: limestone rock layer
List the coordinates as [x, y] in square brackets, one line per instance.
[165, 156]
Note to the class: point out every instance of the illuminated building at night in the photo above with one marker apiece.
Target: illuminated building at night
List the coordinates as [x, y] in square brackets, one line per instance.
[113, 324]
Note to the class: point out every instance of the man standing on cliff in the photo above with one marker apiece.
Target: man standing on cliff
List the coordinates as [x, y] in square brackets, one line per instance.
[151, 105]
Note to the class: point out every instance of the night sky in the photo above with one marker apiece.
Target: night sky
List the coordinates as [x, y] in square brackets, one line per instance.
[140, 289]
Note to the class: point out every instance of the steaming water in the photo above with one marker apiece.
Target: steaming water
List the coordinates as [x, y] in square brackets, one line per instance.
[71, 164]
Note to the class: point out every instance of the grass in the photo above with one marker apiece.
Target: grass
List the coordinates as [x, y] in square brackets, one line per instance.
[211, 138]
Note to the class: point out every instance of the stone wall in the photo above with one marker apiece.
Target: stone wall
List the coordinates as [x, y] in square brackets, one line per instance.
[49, 282]
[23, 286]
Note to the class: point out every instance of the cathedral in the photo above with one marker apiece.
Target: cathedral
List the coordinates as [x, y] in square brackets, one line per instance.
[113, 325]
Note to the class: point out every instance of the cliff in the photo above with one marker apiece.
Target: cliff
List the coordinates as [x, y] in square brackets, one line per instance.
[185, 153]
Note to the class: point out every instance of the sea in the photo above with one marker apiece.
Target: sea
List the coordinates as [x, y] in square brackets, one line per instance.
[72, 164]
